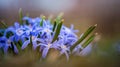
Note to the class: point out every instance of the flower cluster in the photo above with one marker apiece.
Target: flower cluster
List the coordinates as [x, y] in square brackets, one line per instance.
[41, 33]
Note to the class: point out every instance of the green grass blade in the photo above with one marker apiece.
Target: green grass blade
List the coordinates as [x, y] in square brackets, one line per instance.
[20, 16]
[90, 29]
[4, 24]
[89, 40]
[43, 18]
[54, 26]
[57, 31]
[59, 17]
[31, 40]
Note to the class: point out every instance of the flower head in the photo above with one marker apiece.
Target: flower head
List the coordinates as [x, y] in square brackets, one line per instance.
[41, 32]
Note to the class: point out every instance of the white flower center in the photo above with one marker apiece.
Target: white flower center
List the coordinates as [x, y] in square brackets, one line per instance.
[63, 46]
[47, 30]
[19, 32]
[8, 42]
[49, 45]
[33, 37]
[33, 20]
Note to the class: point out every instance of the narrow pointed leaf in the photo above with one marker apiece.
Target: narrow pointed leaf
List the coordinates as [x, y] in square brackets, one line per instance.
[88, 41]
[41, 23]
[50, 19]
[54, 26]
[59, 17]
[20, 16]
[4, 25]
[90, 29]
[31, 40]
[57, 31]
[20, 43]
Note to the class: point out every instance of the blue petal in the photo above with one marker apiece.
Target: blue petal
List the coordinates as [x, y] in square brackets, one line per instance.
[41, 40]
[72, 27]
[15, 49]
[1, 45]
[25, 44]
[86, 51]
[16, 24]
[37, 19]
[11, 38]
[9, 29]
[44, 53]
[34, 45]
[5, 49]
[44, 23]
[16, 38]
[26, 18]
[67, 55]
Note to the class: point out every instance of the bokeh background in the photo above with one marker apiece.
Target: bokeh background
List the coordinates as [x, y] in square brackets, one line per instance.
[81, 13]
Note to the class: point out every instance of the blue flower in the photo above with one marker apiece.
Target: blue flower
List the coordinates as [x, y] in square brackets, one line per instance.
[68, 35]
[45, 33]
[18, 32]
[39, 32]
[8, 39]
[67, 31]
[64, 49]
[32, 21]
[14, 31]
[46, 45]
[7, 43]
[4, 44]
[34, 40]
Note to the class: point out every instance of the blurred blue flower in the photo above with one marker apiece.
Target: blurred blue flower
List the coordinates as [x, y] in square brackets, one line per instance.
[64, 49]
[7, 43]
[46, 45]
[38, 32]
[32, 21]
[86, 51]
[31, 38]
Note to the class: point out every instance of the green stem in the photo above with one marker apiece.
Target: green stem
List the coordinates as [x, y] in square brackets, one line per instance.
[90, 29]
[20, 16]
[54, 26]
[57, 31]
[88, 41]
[43, 18]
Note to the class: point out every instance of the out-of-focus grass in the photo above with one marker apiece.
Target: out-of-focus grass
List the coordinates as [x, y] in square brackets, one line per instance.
[103, 55]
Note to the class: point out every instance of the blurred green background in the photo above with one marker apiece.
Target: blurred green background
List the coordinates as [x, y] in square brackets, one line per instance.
[81, 13]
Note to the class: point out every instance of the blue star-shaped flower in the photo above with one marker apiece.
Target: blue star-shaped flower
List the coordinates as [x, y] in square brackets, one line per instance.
[6, 43]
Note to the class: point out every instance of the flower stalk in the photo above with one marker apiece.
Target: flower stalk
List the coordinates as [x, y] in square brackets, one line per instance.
[89, 31]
